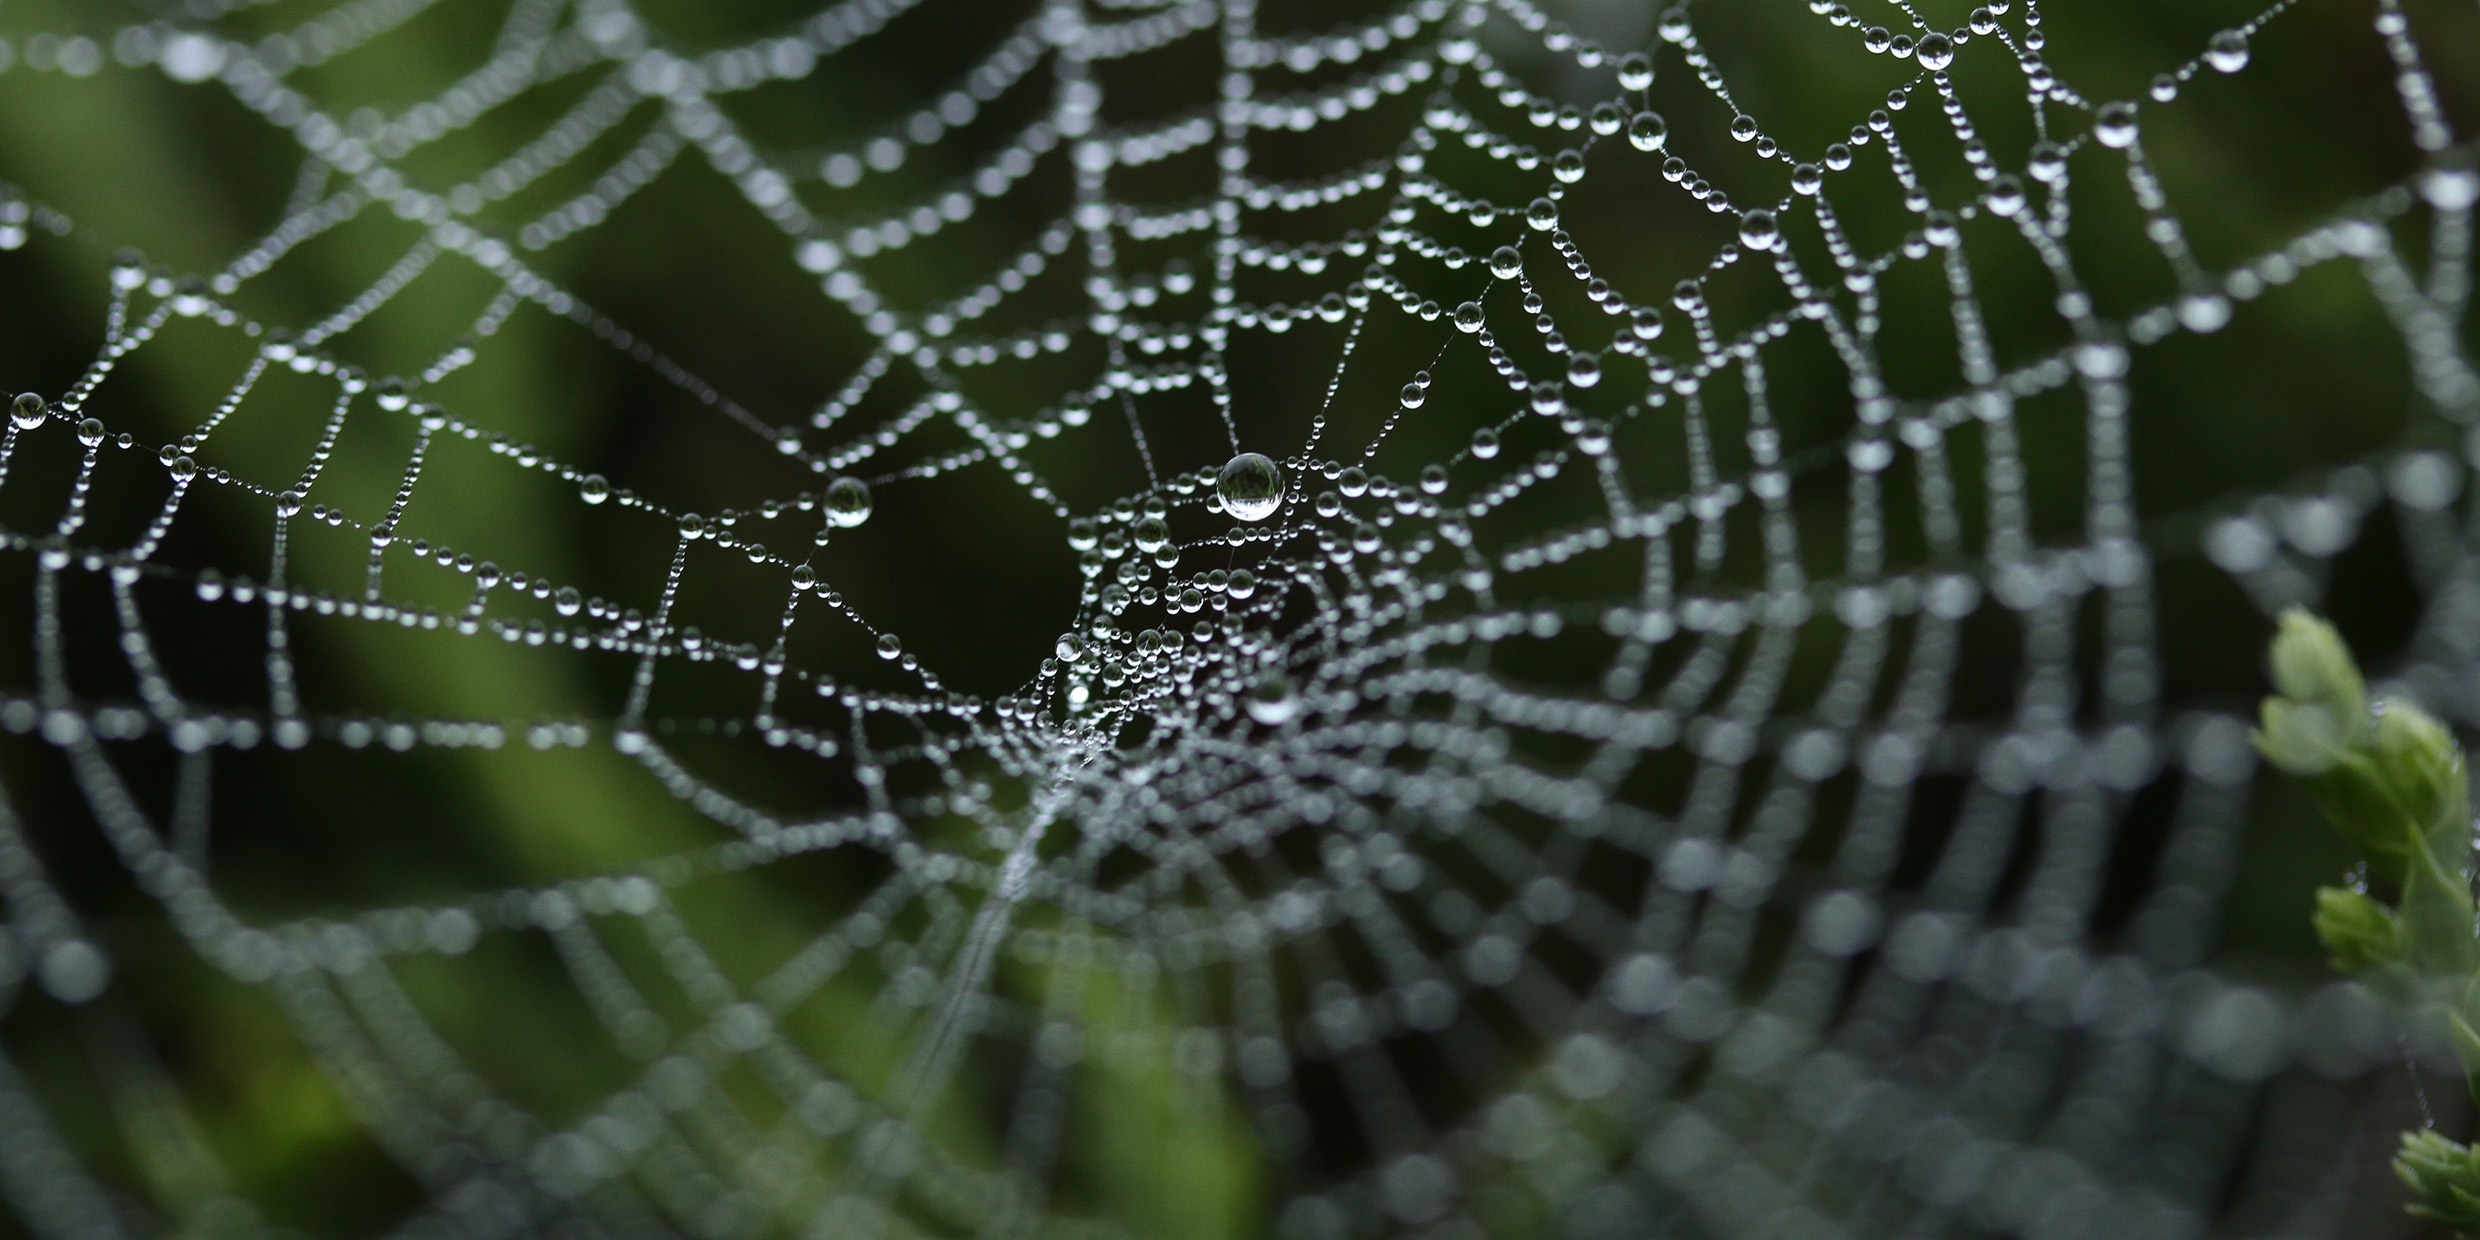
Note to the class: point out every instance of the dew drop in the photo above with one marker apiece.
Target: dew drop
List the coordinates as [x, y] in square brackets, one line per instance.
[183, 468]
[2115, 125]
[1505, 263]
[1543, 215]
[1081, 534]
[288, 504]
[1151, 534]
[888, 646]
[803, 576]
[1272, 700]
[26, 411]
[1485, 443]
[848, 501]
[1648, 132]
[1353, 482]
[1434, 479]
[2227, 52]
[90, 432]
[1468, 317]
[1250, 487]
[567, 602]
[1568, 166]
[1412, 396]
[1935, 52]
[1635, 71]
[1646, 323]
[593, 488]
[2047, 162]
[1759, 230]
[1584, 370]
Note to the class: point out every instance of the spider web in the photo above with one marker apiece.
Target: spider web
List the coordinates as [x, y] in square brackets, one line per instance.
[1579, 808]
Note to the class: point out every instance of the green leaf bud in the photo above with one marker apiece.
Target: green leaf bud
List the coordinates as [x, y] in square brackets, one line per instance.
[2360, 934]
[2444, 1177]
[2312, 665]
[2300, 738]
[2423, 771]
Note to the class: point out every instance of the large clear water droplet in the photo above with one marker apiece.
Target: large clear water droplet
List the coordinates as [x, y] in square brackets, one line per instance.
[1273, 700]
[1935, 52]
[1151, 534]
[90, 432]
[848, 501]
[2115, 125]
[1250, 487]
[1759, 230]
[593, 488]
[2228, 51]
[26, 411]
[1648, 132]
[1506, 263]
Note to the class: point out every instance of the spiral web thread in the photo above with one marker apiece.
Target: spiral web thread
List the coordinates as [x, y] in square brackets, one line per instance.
[1976, 1075]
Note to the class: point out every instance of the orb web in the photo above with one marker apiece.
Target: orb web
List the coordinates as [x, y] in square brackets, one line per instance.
[1611, 666]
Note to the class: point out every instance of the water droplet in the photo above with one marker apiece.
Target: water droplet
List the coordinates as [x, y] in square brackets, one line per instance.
[848, 501]
[1151, 534]
[1272, 700]
[1250, 487]
[1807, 179]
[1243, 583]
[2228, 51]
[1081, 534]
[803, 576]
[74, 970]
[1759, 230]
[2204, 312]
[1468, 317]
[1485, 443]
[1648, 132]
[1646, 322]
[1543, 215]
[2115, 125]
[288, 504]
[888, 646]
[1505, 263]
[1635, 71]
[1584, 369]
[1412, 396]
[2450, 188]
[1936, 51]
[567, 602]
[593, 488]
[1744, 128]
[1070, 648]
[1568, 166]
[1434, 479]
[1353, 482]
[26, 411]
[184, 469]
[90, 432]
[2047, 161]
